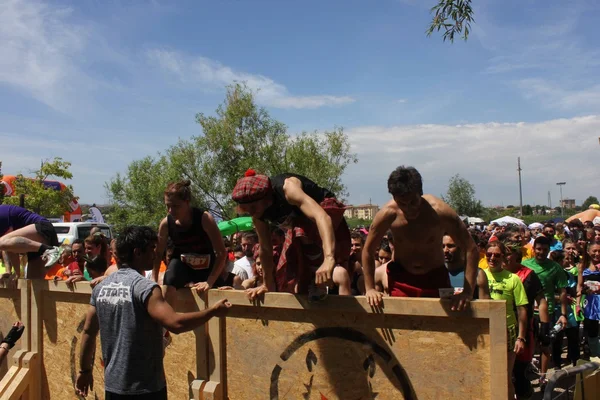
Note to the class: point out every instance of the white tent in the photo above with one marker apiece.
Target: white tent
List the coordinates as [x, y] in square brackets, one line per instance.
[509, 220]
[475, 220]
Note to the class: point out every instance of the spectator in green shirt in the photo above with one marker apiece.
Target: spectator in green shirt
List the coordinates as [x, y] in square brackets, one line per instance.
[555, 282]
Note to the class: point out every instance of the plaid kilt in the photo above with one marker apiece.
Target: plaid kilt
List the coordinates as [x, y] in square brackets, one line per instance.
[302, 251]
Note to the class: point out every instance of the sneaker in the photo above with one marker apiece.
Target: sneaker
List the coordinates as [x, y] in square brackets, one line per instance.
[317, 293]
[51, 256]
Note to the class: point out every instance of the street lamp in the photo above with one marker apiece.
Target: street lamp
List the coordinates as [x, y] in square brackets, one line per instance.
[562, 205]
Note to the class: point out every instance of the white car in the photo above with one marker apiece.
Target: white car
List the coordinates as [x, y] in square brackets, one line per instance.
[69, 231]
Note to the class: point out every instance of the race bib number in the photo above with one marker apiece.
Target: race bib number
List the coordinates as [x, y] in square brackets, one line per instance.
[196, 261]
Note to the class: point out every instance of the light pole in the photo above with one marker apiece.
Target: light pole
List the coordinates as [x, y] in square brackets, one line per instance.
[562, 206]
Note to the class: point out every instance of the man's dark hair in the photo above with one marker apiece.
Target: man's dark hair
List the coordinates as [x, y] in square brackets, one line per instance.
[238, 249]
[588, 224]
[357, 235]
[549, 225]
[278, 231]
[131, 238]
[98, 264]
[390, 235]
[250, 235]
[77, 241]
[576, 223]
[385, 246]
[543, 240]
[512, 229]
[405, 180]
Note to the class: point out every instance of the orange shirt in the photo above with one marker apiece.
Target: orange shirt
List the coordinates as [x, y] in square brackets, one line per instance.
[53, 271]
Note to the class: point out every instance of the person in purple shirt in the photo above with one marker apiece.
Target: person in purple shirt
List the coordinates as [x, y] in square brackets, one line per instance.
[22, 231]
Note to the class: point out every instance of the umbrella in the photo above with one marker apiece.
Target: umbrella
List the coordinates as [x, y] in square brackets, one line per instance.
[509, 220]
[241, 224]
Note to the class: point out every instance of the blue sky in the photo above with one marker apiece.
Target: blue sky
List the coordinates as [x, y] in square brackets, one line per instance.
[102, 83]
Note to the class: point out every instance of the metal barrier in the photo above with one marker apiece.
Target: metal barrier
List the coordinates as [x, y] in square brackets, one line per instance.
[564, 373]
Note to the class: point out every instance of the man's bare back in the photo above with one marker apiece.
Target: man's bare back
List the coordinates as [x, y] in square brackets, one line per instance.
[417, 241]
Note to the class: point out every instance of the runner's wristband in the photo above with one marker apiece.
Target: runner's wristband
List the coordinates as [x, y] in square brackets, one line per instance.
[522, 339]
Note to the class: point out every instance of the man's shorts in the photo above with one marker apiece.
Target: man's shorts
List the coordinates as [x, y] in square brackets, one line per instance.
[402, 283]
[46, 230]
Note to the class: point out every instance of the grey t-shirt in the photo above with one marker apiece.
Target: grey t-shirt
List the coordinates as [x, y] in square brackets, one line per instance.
[131, 340]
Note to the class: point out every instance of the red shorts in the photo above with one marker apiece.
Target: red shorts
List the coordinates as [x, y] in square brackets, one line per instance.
[303, 249]
[404, 284]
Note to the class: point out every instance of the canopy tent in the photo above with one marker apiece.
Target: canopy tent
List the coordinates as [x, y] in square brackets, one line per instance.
[509, 220]
[475, 220]
[241, 224]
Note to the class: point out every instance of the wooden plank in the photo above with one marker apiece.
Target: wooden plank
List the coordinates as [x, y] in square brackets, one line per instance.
[396, 306]
[498, 352]
[61, 286]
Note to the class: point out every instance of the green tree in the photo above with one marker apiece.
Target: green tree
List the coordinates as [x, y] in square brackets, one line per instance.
[41, 199]
[527, 210]
[453, 17]
[589, 201]
[240, 136]
[461, 197]
[137, 196]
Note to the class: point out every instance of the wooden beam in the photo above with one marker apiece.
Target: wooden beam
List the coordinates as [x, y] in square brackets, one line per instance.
[397, 306]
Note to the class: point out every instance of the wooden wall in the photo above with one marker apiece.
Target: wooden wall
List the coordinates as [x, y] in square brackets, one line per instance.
[285, 347]
[412, 349]
[10, 312]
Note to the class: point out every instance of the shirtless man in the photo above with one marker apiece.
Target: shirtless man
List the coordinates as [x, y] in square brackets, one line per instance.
[584, 216]
[418, 223]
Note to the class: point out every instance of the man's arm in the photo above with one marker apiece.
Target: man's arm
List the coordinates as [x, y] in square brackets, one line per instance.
[88, 340]
[483, 285]
[381, 223]
[210, 227]
[163, 313]
[163, 235]
[294, 194]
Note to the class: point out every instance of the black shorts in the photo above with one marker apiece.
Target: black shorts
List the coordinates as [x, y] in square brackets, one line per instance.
[160, 395]
[45, 230]
[179, 274]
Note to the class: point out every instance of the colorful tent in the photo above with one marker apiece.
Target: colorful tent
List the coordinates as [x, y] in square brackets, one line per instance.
[241, 224]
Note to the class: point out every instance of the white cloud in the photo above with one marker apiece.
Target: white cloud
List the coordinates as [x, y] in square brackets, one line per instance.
[37, 49]
[486, 154]
[210, 74]
[551, 61]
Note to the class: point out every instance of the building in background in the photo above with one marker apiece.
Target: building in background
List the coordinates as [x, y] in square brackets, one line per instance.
[568, 203]
[363, 211]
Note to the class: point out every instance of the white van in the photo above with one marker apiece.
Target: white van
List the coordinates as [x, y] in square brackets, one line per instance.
[69, 231]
